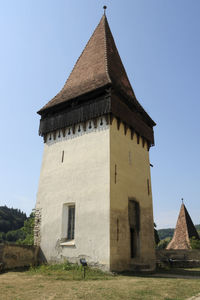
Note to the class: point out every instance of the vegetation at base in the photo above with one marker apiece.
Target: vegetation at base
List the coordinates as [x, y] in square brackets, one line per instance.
[22, 227]
[69, 271]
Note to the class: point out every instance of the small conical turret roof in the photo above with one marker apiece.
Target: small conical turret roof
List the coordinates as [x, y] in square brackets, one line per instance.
[184, 231]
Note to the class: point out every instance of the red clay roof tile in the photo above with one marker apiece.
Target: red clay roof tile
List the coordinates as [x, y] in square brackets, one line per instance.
[98, 65]
[184, 230]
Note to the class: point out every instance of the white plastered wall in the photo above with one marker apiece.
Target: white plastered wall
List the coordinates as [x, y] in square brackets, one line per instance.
[82, 178]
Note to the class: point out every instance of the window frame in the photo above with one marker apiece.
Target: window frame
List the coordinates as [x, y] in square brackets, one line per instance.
[71, 223]
[67, 240]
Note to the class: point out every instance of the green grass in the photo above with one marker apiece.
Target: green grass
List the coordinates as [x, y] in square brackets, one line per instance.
[68, 271]
[65, 281]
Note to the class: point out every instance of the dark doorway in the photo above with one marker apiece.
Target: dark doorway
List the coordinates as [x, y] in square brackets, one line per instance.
[134, 224]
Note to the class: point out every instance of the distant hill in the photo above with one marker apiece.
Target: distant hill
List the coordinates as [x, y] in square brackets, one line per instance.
[11, 219]
[165, 233]
[168, 232]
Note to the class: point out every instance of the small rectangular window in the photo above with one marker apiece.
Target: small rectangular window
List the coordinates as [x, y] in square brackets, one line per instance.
[130, 158]
[148, 187]
[63, 154]
[117, 229]
[68, 222]
[115, 174]
[71, 222]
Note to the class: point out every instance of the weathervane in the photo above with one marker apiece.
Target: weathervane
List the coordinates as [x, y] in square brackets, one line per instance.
[104, 9]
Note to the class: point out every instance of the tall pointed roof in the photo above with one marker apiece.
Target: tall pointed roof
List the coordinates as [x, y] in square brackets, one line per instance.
[98, 85]
[184, 230]
[98, 66]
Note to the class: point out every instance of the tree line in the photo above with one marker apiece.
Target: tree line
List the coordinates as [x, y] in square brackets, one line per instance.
[15, 226]
[165, 236]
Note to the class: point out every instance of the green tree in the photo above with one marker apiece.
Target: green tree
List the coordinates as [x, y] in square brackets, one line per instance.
[11, 219]
[14, 235]
[195, 243]
[28, 231]
[2, 237]
[164, 233]
[163, 243]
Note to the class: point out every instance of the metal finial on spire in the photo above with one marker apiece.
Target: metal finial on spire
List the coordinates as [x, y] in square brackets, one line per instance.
[182, 200]
[104, 9]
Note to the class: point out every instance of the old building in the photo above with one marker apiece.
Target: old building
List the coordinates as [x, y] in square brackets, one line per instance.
[184, 231]
[94, 198]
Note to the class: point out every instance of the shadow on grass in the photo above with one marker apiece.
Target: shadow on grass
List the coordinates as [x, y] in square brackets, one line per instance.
[166, 273]
[18, 269]
[181, 271]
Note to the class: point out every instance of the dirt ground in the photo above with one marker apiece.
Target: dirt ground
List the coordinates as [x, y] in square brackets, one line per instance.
[24, 286]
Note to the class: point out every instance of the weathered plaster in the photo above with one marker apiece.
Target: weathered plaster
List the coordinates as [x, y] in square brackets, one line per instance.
[82, 178]
[102, 169]
[133, 169]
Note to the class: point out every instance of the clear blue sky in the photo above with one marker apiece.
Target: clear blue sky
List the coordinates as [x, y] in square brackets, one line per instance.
[159, 43]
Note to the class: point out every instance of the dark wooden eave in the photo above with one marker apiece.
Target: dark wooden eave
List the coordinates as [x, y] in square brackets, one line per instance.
[98, 103]
[98, 72]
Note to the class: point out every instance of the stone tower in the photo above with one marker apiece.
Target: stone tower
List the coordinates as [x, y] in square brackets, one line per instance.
[94, 198]
[184, 231]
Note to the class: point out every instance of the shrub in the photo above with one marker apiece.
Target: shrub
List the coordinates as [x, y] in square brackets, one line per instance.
[14, 235]
[2, 237]
[163, 243]
[28, 236]
[195, 243]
